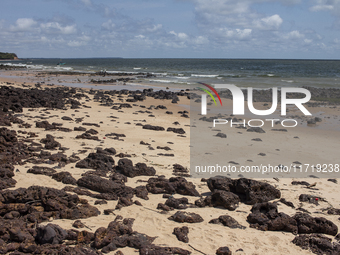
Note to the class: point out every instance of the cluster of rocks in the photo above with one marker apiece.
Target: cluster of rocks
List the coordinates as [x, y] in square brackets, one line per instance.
[15, 99]
[227, 221]
[54, 126]
[180, 170]
[179, 185]
[111, 80]
[22, 209]
[173, 203]
[12, 151]
[139, 95]
[228, 193]
[101, 161]
[125, 167]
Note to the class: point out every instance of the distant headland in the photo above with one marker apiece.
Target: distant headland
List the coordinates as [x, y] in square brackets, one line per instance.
[8, 56]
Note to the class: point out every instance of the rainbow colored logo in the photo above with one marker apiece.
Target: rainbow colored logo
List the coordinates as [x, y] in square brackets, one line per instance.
[208, 92]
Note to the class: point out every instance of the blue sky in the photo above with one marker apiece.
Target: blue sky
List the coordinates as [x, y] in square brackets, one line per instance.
[307, 29]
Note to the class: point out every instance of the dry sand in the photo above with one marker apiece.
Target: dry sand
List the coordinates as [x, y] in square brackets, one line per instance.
[204, 237]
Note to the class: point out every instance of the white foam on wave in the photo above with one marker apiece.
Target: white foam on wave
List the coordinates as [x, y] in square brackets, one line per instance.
[169, 81]
[163, 81]
[121, 72]
[184, 78]
[63, 68]
[27, 66]
[270, 74]
[205, 75]
[290, 81]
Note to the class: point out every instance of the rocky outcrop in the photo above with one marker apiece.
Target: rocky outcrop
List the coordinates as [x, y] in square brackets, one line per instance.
[181, 217]
[126, 167]
[170, 186]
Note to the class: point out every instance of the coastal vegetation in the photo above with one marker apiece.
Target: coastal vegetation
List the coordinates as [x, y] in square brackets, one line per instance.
[6, 55]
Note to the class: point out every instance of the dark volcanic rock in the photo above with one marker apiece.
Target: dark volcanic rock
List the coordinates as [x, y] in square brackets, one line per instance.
[97, 161]
[176, 130]
[307, 225]
[87, 136]
[256, 129]
[180, 170]
[100, 202]
[177, 203]
[182, 234]
[300, 183]
[170, 186]
[221, 198]
[126, 167]
[186, 217]
[90, 124]
[102, 185]
[249, 191]
[142, 192]
[78, 224]
[120, 233]
[223, 251]
[123, 202]
[317, 244]
[117, 177]
[310, 198]
[41, 170]
[288, 203]
[227, 221]
[334, 211]
[156, 128]
[50, 203]
[265, 216]
[225, 199]
[50, 233]
[64, 177]
[50, 143]
[222, 135]
[79, 129]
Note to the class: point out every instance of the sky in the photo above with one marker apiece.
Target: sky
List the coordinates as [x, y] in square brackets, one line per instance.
[284, 29]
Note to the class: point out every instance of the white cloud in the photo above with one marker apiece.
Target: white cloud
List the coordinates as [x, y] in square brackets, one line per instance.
[322, 7]
[55, 27]
[295, 35]
[155, 28]
[269, 23]
[180, 36]
[108, 25]
[326, 5]
[23, 25]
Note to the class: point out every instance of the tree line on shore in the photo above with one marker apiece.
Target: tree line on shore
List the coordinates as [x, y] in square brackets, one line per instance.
[6, 55]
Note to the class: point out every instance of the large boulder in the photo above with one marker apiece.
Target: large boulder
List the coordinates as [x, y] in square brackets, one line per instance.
[97, 161]
[171, 186]
[265, 216]
[308, 224]
[102, 185]
[126, 167]
[249, 191]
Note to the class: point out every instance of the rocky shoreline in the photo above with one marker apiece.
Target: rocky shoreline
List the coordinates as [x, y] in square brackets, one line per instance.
[98, 157]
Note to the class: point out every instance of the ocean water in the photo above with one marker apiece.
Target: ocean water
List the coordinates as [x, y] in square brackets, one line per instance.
[256, 73]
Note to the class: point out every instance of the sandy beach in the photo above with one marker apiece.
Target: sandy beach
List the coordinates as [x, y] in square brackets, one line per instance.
[133, 127]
